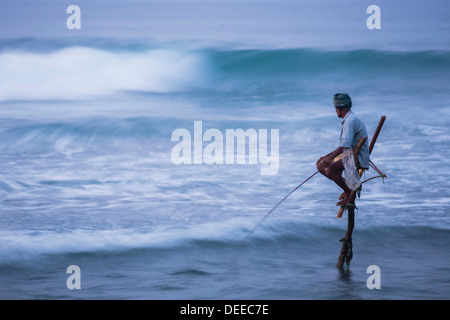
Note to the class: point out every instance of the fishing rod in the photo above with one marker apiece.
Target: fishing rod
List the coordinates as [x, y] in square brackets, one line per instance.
[267, 214]
[382, 175]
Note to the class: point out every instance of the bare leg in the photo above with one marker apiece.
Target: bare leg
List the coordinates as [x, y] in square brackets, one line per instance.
[334, 172]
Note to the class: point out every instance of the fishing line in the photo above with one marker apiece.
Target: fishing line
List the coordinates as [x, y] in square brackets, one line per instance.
[266, 215]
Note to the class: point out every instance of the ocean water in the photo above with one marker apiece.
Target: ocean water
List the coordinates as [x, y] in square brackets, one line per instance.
[87, 177]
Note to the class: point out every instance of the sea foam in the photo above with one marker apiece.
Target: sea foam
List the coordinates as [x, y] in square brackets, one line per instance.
[80, 72]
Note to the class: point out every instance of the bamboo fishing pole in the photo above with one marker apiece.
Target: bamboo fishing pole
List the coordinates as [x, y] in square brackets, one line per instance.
[267, 214]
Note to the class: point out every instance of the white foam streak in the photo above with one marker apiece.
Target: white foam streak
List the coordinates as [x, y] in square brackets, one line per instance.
[78, 73]
[20, 245]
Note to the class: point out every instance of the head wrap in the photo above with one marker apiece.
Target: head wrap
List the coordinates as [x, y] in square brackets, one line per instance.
[342, 101]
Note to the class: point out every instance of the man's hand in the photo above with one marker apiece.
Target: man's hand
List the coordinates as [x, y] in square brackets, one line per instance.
[322, 163]
[325, 161]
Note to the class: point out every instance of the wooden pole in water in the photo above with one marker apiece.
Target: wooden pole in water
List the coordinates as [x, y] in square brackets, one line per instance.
[346, 250]
[346, 254]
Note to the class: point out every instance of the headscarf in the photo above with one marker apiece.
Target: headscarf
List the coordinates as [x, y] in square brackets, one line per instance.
[342, 101]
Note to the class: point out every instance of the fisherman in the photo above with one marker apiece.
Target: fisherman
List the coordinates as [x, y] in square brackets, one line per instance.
[352, 130]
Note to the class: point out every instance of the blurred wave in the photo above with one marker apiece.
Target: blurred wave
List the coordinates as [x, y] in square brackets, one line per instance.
[208, 235]
[80, 72]
[71, 73]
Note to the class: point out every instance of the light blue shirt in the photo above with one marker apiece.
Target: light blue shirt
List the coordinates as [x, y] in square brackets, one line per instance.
[352, 130]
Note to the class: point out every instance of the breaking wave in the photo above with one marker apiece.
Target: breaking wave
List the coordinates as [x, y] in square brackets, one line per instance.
[81, 72]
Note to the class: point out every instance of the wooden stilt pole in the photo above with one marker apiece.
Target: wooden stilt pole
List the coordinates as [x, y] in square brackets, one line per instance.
[346, 254]
[346, 250]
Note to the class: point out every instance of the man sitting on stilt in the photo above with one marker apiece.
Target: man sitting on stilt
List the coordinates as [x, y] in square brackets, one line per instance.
[352, 130]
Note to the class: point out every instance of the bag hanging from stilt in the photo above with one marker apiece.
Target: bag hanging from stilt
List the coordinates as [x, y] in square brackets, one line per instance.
[352, 179]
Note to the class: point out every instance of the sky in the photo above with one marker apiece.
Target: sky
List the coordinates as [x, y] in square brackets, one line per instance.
[329, 24]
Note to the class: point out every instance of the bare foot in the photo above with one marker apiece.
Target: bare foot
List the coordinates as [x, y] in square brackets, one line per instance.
[345, 199]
